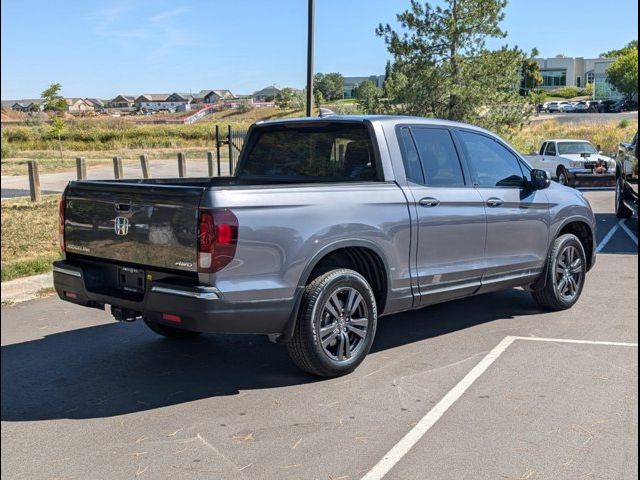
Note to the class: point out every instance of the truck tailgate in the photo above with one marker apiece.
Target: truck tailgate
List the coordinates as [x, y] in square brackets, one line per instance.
[152, 225]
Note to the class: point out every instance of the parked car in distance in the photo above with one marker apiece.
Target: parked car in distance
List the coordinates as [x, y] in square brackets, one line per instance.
[627, 179]
[553, 107]
[624, 106]
[327, 224]
[606, 105]
[574, 163]
[581, 107]
[566, 107]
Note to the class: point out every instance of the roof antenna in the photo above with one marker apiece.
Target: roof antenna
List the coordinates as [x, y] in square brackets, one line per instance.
[325, 112]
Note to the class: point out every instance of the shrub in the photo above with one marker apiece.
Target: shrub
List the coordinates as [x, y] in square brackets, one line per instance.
[624, 123]
[569, 92]
[244, 106]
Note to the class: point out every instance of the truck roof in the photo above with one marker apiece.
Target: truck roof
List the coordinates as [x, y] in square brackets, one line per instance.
[386, 119]
[566, 140]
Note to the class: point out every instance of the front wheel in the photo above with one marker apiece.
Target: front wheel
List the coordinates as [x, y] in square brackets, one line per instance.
[336, 324]
[563, 176]
[622, 210]
[566, 272]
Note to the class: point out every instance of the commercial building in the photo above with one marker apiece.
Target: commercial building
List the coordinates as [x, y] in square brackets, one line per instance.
[352, 83]
[577, 72]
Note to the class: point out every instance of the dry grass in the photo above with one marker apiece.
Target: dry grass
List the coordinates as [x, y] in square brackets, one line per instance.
[607, 134]
[29, 236]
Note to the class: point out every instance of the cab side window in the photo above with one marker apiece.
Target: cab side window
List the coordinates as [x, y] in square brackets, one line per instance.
[551, 149]
[494, 165]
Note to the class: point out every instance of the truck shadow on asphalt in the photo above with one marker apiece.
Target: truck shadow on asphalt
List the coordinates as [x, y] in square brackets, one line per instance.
[115, 369]
[619, 242]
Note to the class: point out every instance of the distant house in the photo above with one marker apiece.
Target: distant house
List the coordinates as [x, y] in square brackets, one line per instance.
[96, 103]
[25, 105]
[212, 96]
[164, 101]
[267, 94]
[122, 101]
[78, 105]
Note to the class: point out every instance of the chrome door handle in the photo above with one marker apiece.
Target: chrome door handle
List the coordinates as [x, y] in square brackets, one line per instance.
[429, 202]
[494, 202]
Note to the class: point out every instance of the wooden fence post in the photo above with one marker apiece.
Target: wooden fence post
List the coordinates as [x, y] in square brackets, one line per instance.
[210, 163]
[230, 150]
[182, 165]
[117, 167]
[144, 164]
[34, 181]
[81, 168]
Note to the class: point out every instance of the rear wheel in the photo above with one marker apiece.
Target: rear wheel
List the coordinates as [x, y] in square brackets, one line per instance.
[566, 271]
[336, 324]
[622, 210]
[169, 331]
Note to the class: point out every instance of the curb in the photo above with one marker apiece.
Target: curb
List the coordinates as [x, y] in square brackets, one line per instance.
[22, 289]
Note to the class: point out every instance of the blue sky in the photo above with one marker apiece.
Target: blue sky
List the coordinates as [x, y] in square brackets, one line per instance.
[102, 48]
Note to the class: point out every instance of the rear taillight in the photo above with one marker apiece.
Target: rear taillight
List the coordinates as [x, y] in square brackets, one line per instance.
[61, 218]
[217, 239]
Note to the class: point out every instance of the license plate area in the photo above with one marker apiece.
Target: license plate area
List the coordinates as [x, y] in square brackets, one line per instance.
[131, 279]
[590, 165]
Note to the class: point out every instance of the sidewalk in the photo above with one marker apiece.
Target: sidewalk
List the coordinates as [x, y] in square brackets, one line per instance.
[18, 185]
[26, 288]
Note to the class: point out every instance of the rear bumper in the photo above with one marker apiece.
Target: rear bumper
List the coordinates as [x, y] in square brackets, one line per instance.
[199, 308]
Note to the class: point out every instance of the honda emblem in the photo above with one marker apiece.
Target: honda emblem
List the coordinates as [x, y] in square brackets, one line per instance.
[121, 226]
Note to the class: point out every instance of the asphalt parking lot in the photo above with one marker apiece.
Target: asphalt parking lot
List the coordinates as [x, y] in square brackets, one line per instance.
[454, 391]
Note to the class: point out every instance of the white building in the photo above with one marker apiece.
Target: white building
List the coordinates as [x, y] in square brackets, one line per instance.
[577, 72]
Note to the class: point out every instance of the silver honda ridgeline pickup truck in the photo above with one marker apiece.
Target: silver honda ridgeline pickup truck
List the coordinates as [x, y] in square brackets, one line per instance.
[327, 224]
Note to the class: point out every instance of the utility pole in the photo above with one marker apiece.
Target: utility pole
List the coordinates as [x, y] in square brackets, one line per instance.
[310, 58]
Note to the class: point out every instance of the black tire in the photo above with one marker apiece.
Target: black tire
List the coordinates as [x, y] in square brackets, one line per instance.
[306, 348]
[622, 210]
[550, 297]
[563, 176]
[169, 331]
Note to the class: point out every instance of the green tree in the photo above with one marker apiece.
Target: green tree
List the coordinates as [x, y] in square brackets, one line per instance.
[330, 84]
[289, 98]
[531, 76]
[443, 68]
[57, 127]
[368, 96]
[623, 73]
[53, 102]
[318, 98]
[632, 45]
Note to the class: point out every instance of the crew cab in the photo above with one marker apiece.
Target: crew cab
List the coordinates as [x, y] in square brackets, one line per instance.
[627, 179]
[326, 225]
[574, 162]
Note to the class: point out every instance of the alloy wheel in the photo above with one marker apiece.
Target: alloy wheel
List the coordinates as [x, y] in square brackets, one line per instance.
[344, 323]
[569, 273]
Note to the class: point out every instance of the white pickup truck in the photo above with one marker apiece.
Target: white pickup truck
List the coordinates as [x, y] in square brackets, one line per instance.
[575, 163]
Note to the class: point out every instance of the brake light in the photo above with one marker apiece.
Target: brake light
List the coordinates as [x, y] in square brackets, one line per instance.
[217, 239]
[61, 218]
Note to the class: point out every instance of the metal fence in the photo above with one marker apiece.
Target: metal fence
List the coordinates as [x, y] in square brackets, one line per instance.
[229, 138]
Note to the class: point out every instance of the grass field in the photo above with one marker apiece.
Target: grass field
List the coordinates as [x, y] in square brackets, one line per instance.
[29, 236]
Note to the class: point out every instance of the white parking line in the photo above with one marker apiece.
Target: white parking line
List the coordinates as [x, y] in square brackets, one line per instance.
[628, 231]
[609, 236]
[407, 442]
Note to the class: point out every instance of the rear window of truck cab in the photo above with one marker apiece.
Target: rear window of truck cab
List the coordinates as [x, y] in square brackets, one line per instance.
[315, 151]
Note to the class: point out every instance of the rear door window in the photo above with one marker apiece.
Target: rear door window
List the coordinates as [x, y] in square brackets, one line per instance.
[438, 156]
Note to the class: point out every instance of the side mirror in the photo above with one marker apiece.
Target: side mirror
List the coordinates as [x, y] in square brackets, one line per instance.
[539, 179]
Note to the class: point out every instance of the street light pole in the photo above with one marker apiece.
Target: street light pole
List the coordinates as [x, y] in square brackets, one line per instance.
[310, 58]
